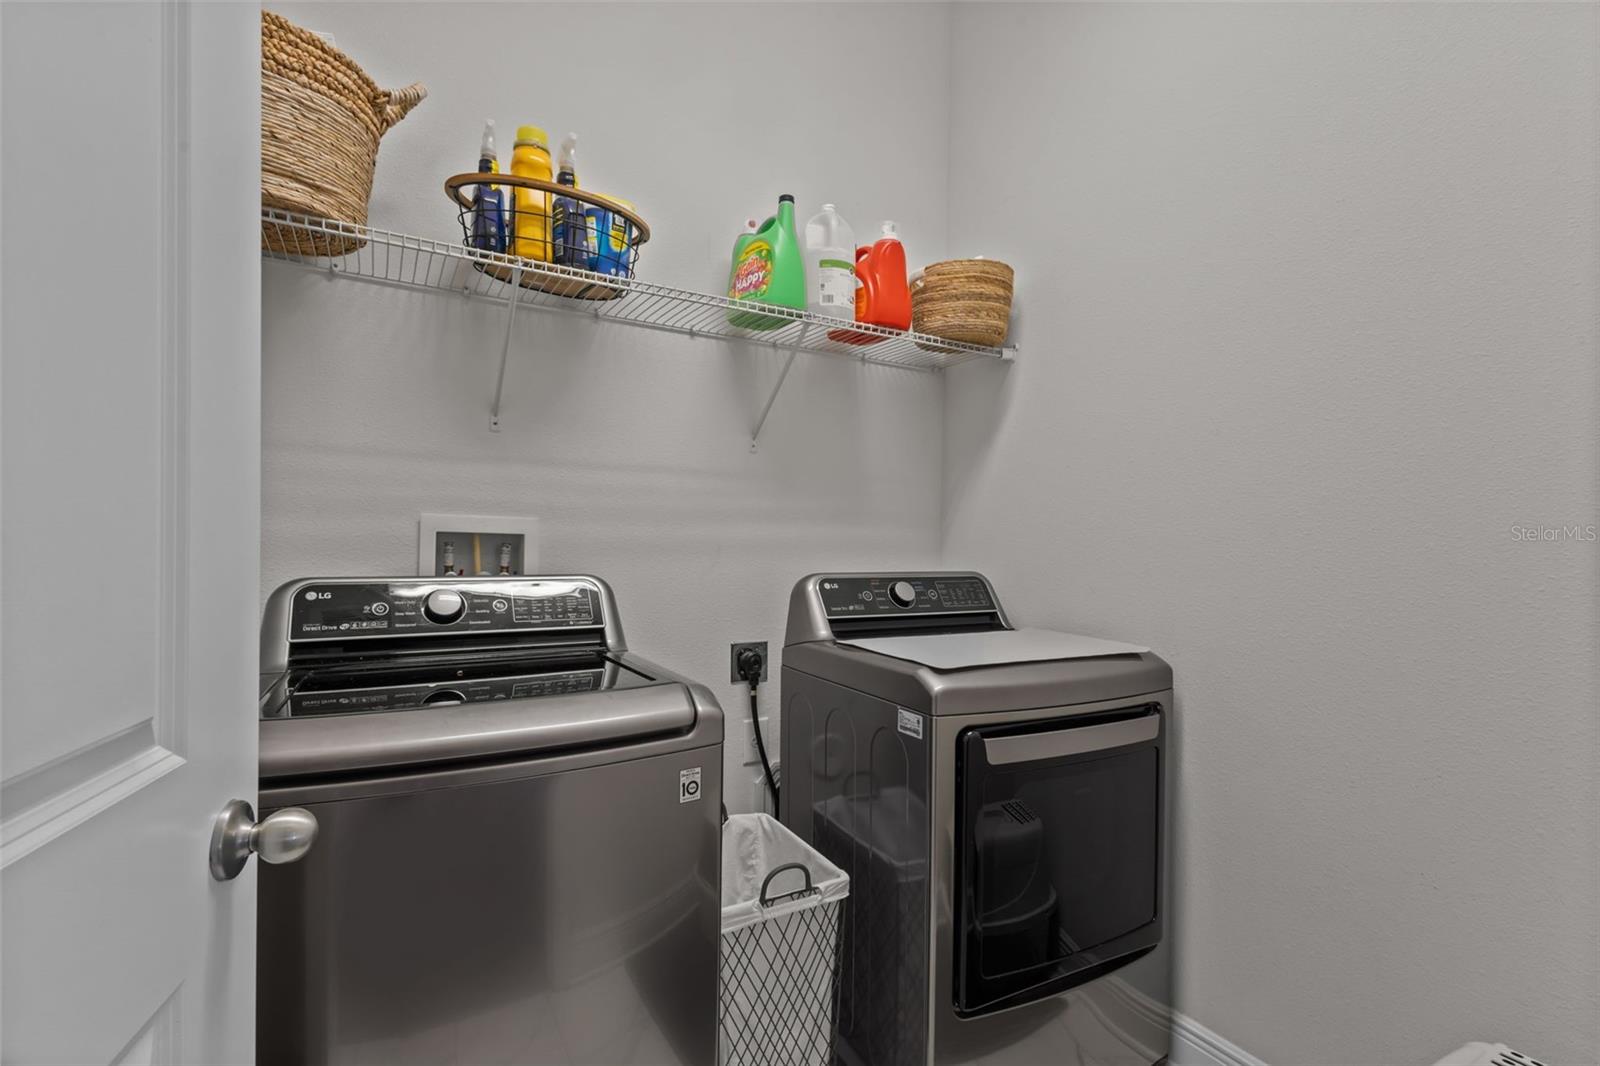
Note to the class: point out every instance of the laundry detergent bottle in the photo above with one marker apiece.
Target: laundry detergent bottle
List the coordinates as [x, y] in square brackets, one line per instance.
[830, 249]
[746, 235]
[768, 267]
[610, 234]
[884, 295]
[530, 217]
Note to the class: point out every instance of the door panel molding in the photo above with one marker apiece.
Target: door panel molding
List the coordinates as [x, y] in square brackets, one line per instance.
[45, 801]
[56, 798]
[172, 697]
[157, 1042]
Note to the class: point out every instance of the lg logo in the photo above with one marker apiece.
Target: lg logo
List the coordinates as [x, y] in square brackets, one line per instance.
[314, 595]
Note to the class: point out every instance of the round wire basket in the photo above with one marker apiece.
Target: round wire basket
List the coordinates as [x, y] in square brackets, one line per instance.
[555, 238]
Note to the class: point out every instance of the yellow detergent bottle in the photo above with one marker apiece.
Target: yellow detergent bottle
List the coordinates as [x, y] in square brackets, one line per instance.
[530, 219]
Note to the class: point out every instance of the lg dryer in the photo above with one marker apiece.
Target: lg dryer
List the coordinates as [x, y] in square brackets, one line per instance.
[998, 797]
[518, 855]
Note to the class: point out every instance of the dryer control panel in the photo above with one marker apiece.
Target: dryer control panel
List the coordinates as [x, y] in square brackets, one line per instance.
[344, 610]
[856, 596]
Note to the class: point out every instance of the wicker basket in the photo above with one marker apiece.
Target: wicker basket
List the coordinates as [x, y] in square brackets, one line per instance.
[321, 119]
[966, 300]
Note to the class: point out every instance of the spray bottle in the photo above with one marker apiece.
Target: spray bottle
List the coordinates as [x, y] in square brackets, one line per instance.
[567, 218]
[488, 211]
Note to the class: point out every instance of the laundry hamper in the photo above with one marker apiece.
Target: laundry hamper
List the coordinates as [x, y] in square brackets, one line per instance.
[1482, 1054]
[780, 947]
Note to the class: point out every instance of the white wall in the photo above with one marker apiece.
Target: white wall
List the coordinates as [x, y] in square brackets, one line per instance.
[631, 447]
[1309, 298]
[1308, 324]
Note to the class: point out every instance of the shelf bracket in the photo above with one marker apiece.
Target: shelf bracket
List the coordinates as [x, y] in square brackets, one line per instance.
[505, 348]
[783, 375]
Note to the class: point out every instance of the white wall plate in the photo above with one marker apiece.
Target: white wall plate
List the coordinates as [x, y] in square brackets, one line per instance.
[476, 540]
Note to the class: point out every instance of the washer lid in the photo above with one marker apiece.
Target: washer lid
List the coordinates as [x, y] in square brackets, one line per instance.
[516, 728]
[958, 651]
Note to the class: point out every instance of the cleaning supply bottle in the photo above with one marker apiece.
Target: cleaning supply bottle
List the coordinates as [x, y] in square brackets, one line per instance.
[739, 243]
[488, 211]
[768, 267]
[884, 296]
[830, 267]
[620, 251]
[530, 215]
[567, 219]
[610, 234]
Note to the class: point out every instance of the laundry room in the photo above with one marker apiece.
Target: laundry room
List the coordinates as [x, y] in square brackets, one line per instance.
[801, 533]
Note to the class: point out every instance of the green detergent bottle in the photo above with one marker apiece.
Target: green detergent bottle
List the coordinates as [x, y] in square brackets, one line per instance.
[768, 268]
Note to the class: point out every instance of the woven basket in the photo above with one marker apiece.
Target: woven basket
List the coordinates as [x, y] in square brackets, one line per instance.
[321, 119]
[966, 300]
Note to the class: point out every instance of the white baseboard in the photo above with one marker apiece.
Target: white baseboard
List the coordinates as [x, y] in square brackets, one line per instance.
[1195, 1045]
[1138, 1022]
[1129, 1012]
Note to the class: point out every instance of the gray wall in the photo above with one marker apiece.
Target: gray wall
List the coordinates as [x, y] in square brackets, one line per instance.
[631, 447]
[1309, 298]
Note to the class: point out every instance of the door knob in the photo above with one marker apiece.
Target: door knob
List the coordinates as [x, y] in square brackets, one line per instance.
[282, 836]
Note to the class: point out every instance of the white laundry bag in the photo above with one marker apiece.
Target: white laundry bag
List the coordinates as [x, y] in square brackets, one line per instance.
[780, 946]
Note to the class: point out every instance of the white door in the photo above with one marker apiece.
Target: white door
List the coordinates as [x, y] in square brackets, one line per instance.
[129, 465]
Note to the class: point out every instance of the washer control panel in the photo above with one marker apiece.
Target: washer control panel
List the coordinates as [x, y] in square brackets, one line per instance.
[441, 694]
[858, 597]
[344, 610]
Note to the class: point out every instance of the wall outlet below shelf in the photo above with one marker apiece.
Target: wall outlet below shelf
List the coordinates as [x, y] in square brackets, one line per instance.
[752, 754]
[761, 797]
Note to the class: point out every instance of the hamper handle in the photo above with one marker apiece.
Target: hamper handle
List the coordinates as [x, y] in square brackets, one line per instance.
[399, 102]
[809, 890]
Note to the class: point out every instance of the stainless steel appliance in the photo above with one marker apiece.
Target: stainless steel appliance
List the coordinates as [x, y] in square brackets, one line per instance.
[519, 830]
[999, 799]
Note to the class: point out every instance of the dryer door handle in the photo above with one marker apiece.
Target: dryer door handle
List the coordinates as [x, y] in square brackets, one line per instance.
[1032, 747]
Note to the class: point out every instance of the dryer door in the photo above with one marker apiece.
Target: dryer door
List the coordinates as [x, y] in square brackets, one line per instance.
[1058, 854]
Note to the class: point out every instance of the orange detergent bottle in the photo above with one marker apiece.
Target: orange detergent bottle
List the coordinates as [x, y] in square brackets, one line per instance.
[883, 296]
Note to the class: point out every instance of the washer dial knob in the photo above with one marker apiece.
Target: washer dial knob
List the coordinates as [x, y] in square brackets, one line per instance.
[444, 606]
[903, 593]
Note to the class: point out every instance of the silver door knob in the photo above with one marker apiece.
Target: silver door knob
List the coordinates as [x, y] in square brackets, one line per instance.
[282, 836]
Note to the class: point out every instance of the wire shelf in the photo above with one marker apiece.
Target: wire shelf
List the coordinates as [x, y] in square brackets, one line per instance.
[408, 262]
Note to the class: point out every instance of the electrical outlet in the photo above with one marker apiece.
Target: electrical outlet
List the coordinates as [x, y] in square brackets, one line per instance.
[763, 795]
[733, 659]
[752, 754]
